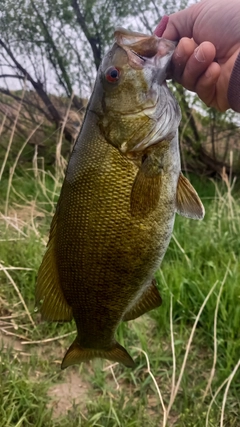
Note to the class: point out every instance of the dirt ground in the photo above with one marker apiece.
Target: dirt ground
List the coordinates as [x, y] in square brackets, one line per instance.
[71, 390]
[63, 395]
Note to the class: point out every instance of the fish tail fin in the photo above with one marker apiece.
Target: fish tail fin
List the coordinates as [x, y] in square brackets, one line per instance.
[77, 354]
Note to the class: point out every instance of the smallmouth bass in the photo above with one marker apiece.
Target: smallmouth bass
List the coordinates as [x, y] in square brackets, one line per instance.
[115, 213]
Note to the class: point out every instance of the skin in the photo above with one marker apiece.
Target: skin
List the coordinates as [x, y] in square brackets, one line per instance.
[209, 43]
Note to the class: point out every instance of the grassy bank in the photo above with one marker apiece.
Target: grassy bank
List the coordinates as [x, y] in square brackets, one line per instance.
[187, 351]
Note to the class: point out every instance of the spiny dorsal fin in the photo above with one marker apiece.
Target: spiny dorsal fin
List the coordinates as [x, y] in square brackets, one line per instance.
[77, 354]
[49, 296]
[188, 203]
[149, 300]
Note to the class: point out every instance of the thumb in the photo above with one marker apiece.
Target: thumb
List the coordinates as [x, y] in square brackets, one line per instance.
[181, 24]
[161, 27]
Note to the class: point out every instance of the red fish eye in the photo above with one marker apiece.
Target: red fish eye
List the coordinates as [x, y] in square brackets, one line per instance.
[112, 74]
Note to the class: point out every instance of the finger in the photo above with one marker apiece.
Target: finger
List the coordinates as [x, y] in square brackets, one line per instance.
[182, 53]
[196, 65]
[181, 23]
[161, 27]
[206, 85]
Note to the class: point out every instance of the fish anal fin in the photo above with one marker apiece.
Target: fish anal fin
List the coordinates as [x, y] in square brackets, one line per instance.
[77, 354]
[149, 300]
[188, 203]
[145, 193]
[49, 296]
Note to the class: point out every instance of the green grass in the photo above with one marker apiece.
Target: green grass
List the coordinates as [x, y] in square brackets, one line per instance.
[201, 255]
[23, 393]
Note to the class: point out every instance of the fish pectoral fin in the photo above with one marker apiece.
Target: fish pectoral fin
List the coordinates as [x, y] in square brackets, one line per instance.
[149, 300]
[49, 295]
[145, 193]
[188, 203]
[77, 354]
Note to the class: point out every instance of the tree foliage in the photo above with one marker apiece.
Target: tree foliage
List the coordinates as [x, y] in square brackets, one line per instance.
[66, 38]
[55, 47]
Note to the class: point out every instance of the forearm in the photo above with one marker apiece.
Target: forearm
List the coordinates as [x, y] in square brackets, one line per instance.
[234, 86]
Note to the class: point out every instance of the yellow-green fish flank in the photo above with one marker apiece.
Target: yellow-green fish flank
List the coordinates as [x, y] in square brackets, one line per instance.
[115, 214]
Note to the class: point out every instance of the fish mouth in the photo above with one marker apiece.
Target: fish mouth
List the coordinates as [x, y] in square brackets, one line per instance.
[145, 50]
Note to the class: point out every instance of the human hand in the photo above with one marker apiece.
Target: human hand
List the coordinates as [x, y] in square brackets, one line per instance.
[209, 34]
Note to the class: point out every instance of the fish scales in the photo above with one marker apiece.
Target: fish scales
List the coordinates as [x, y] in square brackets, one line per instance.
[106, 234]
[115, 214]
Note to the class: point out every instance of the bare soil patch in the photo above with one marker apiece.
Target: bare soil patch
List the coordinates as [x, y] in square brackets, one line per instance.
[73, 391]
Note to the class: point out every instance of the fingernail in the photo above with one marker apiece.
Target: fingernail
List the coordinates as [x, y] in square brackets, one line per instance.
[179, 51]
[161, 26]
[208, 73]
[199, 55]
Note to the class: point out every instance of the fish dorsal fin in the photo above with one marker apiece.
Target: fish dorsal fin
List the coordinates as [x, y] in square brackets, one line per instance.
[188, 203]
[77, 354]
[49, 296]
[149, 300]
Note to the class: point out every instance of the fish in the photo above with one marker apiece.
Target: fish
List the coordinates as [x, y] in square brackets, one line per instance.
[115, 214]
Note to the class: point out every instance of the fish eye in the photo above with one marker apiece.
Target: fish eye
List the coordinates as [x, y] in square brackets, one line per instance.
[112, 74]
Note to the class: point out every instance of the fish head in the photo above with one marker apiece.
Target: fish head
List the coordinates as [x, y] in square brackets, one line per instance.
[138, 108]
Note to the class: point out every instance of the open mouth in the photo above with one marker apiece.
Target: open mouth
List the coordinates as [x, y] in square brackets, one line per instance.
[144, 50]
[137, 54]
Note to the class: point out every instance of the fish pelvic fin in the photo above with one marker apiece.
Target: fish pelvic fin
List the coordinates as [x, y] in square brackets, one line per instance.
[49, 295]
[77, 354]
[149, 300]
[188, 203]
